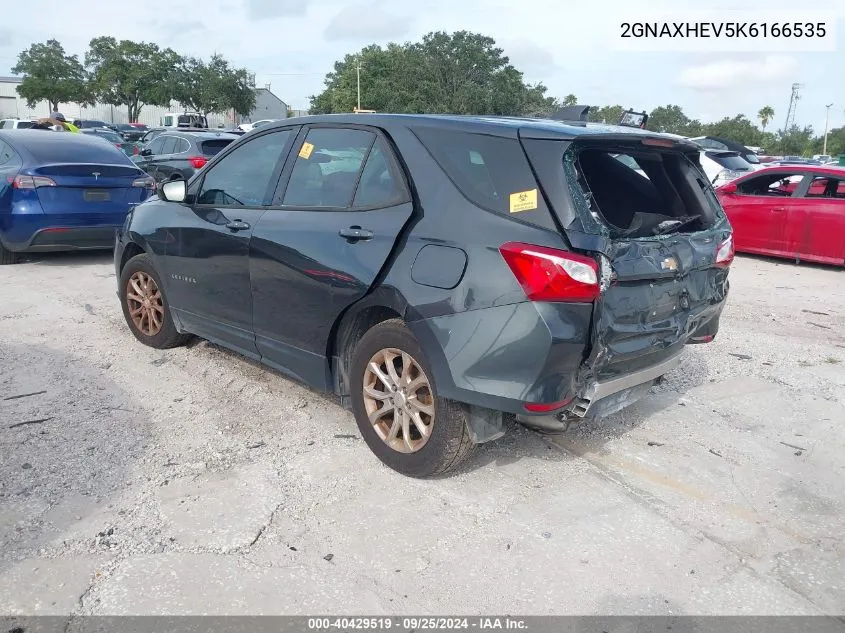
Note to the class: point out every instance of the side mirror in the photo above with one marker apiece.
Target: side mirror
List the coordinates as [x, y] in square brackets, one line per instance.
[146, 152]
[174, 191]
[729, 187]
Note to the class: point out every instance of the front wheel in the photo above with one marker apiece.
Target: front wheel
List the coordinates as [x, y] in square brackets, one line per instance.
[394, 397]
[145, 306]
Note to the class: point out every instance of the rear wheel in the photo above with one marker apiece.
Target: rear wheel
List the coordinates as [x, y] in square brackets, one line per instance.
[145, 306]
[7, 256]
[394, 397]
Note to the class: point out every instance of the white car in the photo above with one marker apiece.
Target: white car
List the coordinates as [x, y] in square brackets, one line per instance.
[724, 166]
[246, 127]
[15, 124]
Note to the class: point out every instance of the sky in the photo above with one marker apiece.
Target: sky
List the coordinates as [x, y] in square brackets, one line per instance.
[292, 44]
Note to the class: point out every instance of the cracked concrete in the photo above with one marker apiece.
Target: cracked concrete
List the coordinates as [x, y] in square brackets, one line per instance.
[194, 481]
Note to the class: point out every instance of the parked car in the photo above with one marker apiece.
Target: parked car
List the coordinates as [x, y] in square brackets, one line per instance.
[129, 132]
[180, 154]
[63, 191]
[15, 124]
[723, 166]
[438, 272]
[247, 127]
[128, 148]
[726, 145]
[792, 211]
[92, 123]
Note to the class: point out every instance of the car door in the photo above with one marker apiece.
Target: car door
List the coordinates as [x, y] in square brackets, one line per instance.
[147, 159]
[162, 160]
[339, 209]
[816, 220]
[207, 246]
[758, 211]
[173, 161]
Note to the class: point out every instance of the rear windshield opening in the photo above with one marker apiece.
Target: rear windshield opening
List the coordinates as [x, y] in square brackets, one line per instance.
[212, 148]
[643, 193]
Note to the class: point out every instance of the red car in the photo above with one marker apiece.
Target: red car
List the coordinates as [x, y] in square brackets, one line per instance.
[792, 211]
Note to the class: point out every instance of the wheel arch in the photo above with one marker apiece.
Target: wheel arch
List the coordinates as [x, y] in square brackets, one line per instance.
[382, 304]
[135, 246]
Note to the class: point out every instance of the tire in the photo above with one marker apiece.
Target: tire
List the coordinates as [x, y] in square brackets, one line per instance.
[448, 442]
[165, 336]
[7, 256]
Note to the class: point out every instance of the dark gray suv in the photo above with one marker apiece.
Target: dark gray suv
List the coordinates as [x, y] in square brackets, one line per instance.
[438, 272]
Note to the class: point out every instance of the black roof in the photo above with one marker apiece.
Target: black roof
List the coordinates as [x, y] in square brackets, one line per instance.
[732, 145]
[499, 125]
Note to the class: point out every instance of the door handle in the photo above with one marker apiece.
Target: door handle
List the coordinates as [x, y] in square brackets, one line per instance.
[355, 233]
[778, 210]
[237, 225]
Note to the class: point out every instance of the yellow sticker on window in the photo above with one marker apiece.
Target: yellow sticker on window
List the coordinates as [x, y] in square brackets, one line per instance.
[523, 201]
[306, 150]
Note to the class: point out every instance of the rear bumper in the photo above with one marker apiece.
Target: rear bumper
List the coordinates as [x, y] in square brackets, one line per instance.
[67, 238]
[503, 357]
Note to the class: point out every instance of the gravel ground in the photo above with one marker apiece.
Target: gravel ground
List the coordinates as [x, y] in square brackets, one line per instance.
[193, 481]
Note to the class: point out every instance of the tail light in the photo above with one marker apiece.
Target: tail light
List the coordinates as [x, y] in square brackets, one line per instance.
[197, 162]
[134, 150]
[118, 145]
[725, 252]
[32, 182]
[549, 274]
[545, 407]
[145, 181]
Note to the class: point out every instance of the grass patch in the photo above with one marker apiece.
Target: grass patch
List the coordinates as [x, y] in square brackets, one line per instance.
[832, 361]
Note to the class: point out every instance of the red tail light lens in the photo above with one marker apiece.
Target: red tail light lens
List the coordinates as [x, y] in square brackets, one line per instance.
[197, 161]
[544, 407]
[549, 274]
[135, 150]
[32, 182]
[725, 253]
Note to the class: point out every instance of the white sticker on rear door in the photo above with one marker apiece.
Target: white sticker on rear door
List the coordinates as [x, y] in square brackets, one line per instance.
[523, 201]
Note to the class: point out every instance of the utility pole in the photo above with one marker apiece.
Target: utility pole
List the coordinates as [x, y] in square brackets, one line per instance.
[826, 118]
[358, 73]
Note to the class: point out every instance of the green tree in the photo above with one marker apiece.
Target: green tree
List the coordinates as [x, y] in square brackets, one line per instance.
[835, 141]
[669, 118]
[606, 114]
[738, 128]
[213, 86]
[52, 75]
[795, 141]
[459, 73]
[765, 115]
[132, 74]
[569, 100]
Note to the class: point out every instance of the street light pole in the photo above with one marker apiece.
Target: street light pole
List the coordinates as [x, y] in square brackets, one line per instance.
[826, 117]
[358, 73]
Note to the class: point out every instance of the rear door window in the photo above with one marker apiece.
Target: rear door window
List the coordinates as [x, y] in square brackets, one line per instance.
[242, 178]
[327, 168]
[827, 187]
[212, 148]
[156, 145]
[491, 171]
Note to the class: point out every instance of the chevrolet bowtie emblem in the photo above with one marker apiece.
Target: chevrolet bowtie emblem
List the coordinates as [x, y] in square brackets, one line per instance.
[670, 263]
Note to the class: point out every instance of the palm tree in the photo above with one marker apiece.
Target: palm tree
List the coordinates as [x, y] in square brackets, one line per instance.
[765, 115]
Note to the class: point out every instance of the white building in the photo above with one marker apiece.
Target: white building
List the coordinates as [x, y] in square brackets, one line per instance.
[13, 106]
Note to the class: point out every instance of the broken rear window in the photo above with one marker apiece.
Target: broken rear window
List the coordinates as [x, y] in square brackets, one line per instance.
[643, 192]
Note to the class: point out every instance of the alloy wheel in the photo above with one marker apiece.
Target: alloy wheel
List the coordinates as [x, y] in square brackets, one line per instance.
[145, 303]
[399, 400]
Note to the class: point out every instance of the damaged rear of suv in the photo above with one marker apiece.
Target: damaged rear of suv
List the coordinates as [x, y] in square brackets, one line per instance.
[439, 272]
